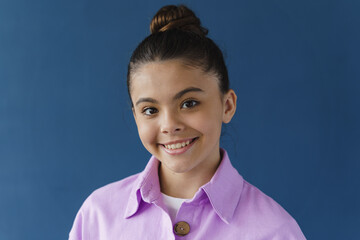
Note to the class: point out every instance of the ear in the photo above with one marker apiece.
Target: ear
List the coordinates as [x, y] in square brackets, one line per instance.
[229, 106]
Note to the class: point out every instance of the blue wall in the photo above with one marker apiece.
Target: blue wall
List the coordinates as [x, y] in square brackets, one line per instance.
[66, 127]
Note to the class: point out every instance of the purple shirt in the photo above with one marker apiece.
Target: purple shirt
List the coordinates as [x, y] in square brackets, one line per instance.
[227, 207]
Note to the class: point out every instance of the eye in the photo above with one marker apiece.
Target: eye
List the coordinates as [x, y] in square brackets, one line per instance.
[149, 111]
[189, 104]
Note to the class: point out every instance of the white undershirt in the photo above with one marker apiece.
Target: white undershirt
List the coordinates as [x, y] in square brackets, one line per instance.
[173, 204]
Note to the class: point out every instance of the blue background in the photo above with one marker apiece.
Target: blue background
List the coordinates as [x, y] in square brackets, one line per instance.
[66, 126]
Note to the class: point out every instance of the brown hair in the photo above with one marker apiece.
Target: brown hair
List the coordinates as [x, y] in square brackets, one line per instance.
[180, 17]
[176, 33]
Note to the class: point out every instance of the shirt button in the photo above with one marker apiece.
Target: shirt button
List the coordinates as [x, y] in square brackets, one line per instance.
[181, 228]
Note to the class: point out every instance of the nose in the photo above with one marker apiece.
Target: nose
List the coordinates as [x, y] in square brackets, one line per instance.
[171, 123]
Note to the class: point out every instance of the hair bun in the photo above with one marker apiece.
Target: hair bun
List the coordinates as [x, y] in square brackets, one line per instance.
[180, 17]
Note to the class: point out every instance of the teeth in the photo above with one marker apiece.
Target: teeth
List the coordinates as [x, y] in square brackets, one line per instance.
[177, 145]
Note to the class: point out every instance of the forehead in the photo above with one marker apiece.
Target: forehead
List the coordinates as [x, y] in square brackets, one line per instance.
[168, 77]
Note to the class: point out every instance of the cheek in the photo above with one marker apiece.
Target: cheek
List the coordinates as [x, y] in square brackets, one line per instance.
[207, 122]
[147, 132]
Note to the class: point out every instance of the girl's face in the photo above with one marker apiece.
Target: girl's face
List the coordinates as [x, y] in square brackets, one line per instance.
[179, 111]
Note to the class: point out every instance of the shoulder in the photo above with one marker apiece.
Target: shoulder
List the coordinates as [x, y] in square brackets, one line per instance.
[260, 211]
[114, 194]
[106, 204]
[261, 205]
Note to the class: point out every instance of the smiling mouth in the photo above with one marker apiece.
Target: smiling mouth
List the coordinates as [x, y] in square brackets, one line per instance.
[179, 145]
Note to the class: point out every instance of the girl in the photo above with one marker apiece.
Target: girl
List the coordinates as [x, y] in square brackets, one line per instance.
[179, 89]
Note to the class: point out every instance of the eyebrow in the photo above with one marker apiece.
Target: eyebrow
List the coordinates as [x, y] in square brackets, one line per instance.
[177, 96]
[145, 100]
[186, 90]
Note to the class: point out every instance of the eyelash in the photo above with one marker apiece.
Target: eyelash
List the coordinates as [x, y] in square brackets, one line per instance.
[148, 108]
[194, 104]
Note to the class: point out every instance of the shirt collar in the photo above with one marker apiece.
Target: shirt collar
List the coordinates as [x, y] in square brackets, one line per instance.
[225, 184]
[224, 189]
[146, 187]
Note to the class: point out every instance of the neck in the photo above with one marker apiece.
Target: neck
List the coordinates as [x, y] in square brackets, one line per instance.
[185, 185]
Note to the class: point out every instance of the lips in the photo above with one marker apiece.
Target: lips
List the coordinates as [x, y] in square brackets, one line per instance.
[178, 147]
